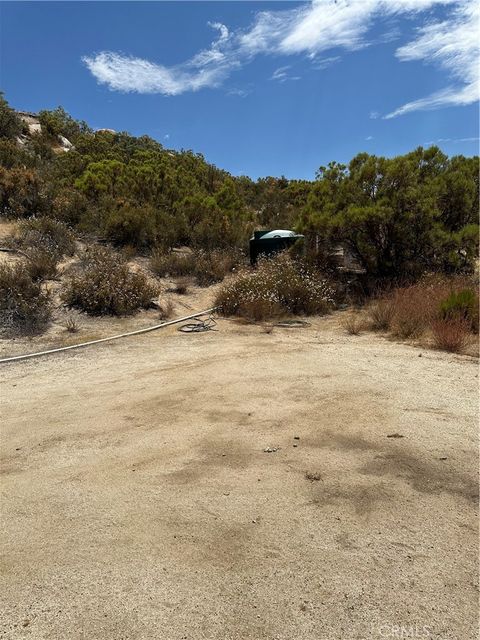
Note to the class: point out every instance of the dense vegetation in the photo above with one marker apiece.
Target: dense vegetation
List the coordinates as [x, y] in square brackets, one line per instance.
[398, 217]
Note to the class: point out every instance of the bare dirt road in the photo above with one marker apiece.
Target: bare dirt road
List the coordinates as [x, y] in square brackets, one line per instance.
[138, 501]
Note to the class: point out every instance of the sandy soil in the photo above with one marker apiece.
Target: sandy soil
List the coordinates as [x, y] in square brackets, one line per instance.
[138, 501]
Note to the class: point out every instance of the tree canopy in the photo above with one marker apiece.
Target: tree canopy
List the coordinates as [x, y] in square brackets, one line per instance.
[398, 217]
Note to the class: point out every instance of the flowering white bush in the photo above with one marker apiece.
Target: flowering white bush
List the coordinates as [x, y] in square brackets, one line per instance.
[278, 285]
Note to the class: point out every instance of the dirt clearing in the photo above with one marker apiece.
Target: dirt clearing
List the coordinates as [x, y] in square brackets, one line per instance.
[240, 485]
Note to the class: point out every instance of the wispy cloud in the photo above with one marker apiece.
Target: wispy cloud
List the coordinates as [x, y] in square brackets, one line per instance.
[368, 138]
[281, 74]
[241, 93]
[208, 68]
[451, 140]
[454, 44]
[374, 115]
[324, 63]
[312, 30]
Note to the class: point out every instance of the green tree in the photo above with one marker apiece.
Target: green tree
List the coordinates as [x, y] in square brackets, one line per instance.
[10, 122]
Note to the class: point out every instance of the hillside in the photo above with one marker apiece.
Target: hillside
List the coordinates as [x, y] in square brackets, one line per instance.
[397, 216]
[307, 469]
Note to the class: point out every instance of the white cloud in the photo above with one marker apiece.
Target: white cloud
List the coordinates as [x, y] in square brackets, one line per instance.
[455, 45]
[208, 68]
[166, 136]
[374, 115]
[241, 93]
[451, 140]
[281, 74]
[324, 63]
[369, 138]
[310, 30]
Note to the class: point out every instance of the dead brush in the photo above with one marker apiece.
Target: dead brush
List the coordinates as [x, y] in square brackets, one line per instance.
[268, 328]
[353, 323]
[165, 310]
[106, 286]
[72, 325]
[450, 334]
[259, 310]
[170, 263]
[25, 306]
[42, 264]
[416, 307]
[381, 313]
[48, 234]
[180, 287]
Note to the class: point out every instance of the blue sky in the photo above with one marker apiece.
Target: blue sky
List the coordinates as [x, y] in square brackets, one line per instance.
[259, 88]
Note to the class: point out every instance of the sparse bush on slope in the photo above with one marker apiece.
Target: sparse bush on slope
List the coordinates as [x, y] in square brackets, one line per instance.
[172, 264]
[279, 285]
[47, 234]
[106, 286]
[206, 267]
[42, 264]
[25, 307]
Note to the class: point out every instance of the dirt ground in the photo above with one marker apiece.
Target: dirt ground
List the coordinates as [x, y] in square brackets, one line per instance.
[138, 501]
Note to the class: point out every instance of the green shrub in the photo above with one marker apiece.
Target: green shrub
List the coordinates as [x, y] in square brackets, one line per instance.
[461, 305]
[10, 122]
[277, 285]
[131, 226]
[107, 286]
[25, 307]
[58, 122]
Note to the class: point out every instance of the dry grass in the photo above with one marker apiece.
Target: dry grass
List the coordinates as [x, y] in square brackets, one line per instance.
[72, 325]
[381, 313]
[353, 323]
[259, 310]
[451, 334]
[416, 306]
[268, 328]
[166, 310]
[447, 306]
[171, 264]
[180, 287]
